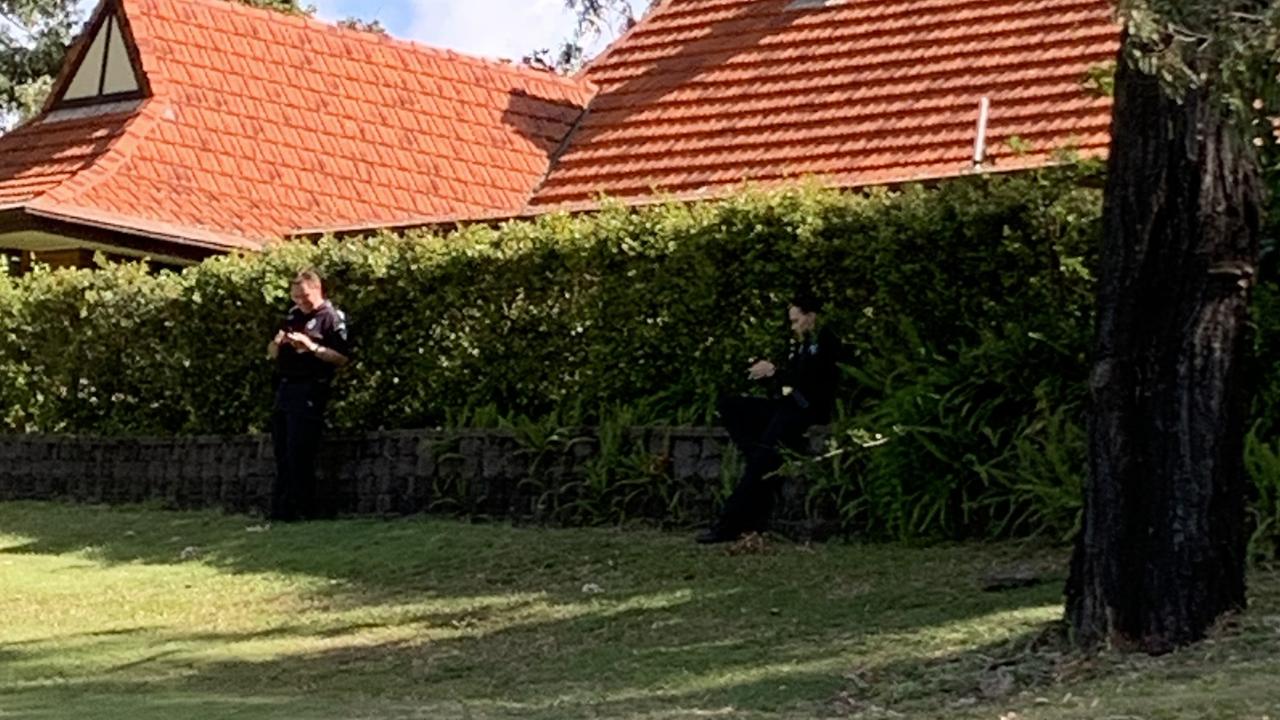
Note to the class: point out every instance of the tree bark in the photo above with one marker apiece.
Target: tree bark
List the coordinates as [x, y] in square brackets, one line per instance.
[1161, 554]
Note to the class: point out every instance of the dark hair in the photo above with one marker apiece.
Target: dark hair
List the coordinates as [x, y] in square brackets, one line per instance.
[806, 301]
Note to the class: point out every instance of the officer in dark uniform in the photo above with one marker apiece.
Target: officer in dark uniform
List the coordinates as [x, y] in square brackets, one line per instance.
[804, 395]
[308, 348]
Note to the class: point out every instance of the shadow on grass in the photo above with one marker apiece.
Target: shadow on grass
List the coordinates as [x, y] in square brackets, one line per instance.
[667, 678]
[415, 555]
[675, 630]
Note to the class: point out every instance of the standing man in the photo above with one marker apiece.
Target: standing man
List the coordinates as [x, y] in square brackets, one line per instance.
[309, 346]
[805, 394]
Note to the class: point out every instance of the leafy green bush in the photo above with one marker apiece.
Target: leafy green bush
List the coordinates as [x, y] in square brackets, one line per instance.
[562, 315]
[1266, 318]
[966, 309]
[1262, 462]
[986, 441]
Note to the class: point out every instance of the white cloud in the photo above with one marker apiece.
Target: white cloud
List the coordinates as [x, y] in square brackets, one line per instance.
[496, 28]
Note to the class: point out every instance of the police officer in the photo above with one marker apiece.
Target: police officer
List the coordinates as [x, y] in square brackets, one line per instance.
[805, 388]
[309, 346]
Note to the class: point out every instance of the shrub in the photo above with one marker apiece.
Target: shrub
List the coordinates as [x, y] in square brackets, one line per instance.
[563, 315]
[966, 309]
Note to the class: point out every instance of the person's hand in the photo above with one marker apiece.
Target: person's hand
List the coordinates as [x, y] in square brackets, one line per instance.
[761, 369]
[279, 338]
[301, 341]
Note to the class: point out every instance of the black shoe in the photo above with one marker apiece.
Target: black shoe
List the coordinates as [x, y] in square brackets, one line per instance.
[713, 536]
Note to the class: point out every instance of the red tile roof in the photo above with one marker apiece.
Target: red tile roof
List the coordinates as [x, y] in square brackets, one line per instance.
[35, 162]
[262, 123]
[704, 94]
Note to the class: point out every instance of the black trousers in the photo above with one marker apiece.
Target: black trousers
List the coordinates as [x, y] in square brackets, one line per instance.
[296, 426]
[760, 428]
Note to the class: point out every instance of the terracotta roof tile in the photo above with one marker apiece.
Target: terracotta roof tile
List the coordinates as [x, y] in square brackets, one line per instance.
[261, 123]
[704, 94]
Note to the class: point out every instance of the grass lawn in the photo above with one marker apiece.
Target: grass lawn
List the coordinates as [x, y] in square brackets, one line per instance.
[143, 614]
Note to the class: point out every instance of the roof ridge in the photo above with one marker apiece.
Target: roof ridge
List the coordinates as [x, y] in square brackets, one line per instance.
[372, 38]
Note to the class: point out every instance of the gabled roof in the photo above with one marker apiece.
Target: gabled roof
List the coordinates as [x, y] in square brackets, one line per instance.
[255, 123]
[704, 94]
[247, 124]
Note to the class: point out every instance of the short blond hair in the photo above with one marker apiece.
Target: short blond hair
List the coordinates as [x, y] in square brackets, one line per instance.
[307, 276]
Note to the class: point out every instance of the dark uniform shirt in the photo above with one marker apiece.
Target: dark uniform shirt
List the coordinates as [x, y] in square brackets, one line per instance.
[327, 326]
[812, 373]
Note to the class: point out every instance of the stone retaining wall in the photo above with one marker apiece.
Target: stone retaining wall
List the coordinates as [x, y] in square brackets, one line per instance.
[479, 474]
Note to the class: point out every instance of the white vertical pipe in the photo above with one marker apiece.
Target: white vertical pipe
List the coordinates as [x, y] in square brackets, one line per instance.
[980, 142]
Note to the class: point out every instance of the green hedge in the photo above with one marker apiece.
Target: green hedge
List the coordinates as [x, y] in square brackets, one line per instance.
[966, 309]
[655, 309]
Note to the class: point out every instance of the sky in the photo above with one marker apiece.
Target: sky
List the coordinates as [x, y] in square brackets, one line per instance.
[494, 28]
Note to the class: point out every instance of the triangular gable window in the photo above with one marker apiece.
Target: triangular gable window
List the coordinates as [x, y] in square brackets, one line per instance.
[106, 70]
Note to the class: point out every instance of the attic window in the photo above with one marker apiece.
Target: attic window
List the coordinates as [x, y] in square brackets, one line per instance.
[105, 71]
[814, 4]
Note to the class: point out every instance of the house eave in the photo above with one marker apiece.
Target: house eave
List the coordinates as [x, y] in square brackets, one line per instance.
[26, 228]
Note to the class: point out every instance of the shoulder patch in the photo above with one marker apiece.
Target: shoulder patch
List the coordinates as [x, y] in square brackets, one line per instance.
[340, 323]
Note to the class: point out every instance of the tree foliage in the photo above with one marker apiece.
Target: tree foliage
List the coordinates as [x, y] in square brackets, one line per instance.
[1229, 47]
[34, 35]
[597, 21]
[362, 25]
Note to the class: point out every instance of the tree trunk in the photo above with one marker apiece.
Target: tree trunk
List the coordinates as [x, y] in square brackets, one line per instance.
[1161, 554]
